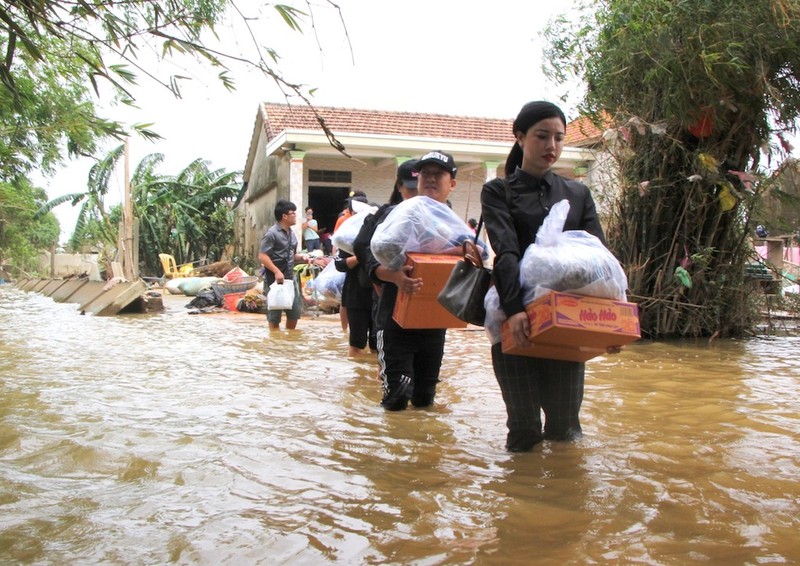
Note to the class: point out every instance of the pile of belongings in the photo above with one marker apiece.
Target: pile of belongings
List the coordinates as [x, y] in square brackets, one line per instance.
[253, 301]
[206, 300]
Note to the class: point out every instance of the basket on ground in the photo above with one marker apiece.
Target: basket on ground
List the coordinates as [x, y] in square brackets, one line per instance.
[242, 285]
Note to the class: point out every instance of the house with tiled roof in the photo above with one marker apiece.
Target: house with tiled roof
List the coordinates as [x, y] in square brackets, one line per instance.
[317, 156]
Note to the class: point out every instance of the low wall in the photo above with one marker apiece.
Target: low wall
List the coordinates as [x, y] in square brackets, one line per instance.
[66, 265]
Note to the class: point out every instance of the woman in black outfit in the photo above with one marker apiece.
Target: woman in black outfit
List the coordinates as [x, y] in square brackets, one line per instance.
[531, 385]
[357, 298]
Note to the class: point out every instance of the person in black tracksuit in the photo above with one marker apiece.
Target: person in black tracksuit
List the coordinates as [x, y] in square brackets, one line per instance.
[531, 385]
[410, 359]
[357, 298]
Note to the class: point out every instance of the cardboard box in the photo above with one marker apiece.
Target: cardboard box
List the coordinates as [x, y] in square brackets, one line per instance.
[575, 354]
[422, 309]
[565, 326]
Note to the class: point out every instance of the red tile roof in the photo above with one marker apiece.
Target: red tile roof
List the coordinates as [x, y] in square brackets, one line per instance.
[582, 132]
[279, 117]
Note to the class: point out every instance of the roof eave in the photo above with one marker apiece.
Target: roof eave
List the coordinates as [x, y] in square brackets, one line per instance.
[359, 145]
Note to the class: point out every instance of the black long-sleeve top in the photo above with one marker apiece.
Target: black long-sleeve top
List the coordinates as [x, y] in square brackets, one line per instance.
[512, 229]
[362, 250]
[353, 294]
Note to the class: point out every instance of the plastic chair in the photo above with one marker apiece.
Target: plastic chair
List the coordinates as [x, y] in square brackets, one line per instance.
[171, 269]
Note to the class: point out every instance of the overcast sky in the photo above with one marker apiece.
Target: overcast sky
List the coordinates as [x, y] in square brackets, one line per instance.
[457, 58]
[418, 56]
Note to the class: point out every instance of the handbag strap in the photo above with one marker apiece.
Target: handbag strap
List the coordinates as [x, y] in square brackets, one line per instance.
[478, 229]
[471, 253]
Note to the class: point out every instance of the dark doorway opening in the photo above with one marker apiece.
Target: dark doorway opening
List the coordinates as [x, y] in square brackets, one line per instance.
[327, 203]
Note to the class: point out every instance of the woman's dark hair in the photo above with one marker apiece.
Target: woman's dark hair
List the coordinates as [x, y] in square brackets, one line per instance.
[359, 198]
[530, 114]
[283, 207]
[396, 197]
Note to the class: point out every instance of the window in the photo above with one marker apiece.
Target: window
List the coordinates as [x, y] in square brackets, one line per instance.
[323, 176]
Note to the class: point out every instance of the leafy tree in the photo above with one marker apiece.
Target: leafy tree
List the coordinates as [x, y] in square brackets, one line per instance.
[93, 225]
[57, 55]
[188, 216]
[48, 110]
[695, 95]
[22, 233]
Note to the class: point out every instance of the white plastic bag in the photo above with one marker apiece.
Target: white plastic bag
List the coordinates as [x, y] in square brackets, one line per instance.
[329, 282]
[571, 261]
[419, 224]
[495, 316]
[346, 234]
[280, 296]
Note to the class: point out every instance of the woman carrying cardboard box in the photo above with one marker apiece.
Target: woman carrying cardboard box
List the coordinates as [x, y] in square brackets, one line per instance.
[532, 385]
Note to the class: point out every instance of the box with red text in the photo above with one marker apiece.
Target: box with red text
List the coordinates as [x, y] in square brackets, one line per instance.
[566, 326]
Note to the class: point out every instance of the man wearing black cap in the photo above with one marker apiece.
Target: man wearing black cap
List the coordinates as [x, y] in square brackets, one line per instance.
[410, 358]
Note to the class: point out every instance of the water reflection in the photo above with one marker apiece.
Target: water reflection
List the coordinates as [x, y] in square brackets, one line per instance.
[204, 439]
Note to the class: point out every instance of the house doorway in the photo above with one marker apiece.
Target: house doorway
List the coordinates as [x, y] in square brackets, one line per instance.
[327, 203]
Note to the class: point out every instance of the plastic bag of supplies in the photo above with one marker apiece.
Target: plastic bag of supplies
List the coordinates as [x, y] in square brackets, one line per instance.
[571, 260]
[281, 296]
[495, 316]
[419, 224]
[346, 234]
[329, 283]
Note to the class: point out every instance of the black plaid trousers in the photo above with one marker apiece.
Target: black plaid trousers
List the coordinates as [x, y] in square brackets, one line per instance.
[531, 386]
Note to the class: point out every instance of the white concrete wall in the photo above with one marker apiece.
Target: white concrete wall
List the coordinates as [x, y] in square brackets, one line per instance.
[66, 265]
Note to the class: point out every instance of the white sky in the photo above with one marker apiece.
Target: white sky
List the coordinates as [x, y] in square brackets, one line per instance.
[445, 57]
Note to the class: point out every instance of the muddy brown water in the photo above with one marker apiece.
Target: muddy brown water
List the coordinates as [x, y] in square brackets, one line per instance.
[204, 439]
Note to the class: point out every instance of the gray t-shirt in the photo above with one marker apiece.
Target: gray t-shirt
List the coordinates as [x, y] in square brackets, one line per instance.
[280, 245]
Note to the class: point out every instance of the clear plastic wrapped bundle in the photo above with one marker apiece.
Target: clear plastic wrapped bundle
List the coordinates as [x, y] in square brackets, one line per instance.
[328, 284]
[495, 316]
[346, 234]
[573, 261]
[419, 224]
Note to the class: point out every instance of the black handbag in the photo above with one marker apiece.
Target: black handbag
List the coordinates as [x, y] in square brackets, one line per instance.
[467, 285]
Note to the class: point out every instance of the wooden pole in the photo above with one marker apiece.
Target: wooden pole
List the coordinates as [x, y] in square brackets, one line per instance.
[129, 267]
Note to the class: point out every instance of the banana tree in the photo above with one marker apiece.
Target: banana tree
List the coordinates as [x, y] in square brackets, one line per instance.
[93, 226]
[187, 215]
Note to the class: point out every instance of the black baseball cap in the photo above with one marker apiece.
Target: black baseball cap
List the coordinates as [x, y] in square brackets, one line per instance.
[407, 173]
[440, 158]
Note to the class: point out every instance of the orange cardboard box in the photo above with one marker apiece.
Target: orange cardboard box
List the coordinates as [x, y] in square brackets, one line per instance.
[422, 309]
[565, 326]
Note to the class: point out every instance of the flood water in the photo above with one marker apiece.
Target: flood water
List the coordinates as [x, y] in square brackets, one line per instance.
[204, 439]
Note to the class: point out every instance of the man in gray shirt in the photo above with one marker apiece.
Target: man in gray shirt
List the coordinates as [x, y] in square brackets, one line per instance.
[278, 254]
